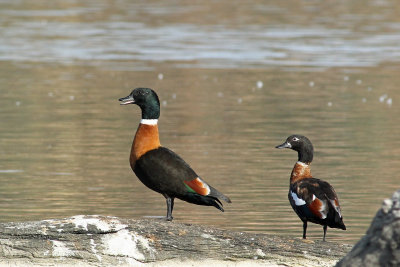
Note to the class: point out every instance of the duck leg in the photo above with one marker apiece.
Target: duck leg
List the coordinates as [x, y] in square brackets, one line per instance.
[304, 229]
[325, 227]
[170, 207]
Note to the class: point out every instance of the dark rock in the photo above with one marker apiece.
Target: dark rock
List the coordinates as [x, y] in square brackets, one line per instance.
[381, 244]
[110, 241]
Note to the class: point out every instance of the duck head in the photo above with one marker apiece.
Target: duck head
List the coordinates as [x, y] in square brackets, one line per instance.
[302, 145]
[146, 99]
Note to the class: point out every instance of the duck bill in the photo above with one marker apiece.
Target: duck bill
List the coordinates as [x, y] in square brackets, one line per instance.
[284, 145]
[127, 100]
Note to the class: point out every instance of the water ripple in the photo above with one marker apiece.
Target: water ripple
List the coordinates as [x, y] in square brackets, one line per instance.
[197, 45]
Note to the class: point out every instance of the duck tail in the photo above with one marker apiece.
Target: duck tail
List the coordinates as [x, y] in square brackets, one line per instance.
[203, 200]
[218, 195]
[336, 218]
[341, 224]
[216, 203]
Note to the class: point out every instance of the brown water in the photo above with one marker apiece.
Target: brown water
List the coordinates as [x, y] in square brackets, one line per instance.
[328, 71]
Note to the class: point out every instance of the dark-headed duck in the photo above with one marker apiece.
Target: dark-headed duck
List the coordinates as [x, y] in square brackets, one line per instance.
[159, 168]
[312, 199]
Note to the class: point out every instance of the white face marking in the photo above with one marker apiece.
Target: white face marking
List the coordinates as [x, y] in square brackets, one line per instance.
[149, 122]
[295, 139]
[298, 201]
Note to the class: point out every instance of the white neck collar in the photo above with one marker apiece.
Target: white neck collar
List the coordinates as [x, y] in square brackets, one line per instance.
[302, 163]
[149, 122]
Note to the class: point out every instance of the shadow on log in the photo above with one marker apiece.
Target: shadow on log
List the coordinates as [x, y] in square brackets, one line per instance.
[110, 241]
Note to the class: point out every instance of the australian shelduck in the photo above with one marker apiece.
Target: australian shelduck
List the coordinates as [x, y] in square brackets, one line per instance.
[312, 199]
[159, 168]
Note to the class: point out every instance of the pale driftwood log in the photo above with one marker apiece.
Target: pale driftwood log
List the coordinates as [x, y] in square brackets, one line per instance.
[110, 241]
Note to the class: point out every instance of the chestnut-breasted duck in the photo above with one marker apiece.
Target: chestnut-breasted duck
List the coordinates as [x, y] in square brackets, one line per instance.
[312, 199]
[159, 168]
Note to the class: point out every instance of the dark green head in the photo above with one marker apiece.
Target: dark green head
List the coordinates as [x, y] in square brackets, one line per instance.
[302, 145]
[146, 99]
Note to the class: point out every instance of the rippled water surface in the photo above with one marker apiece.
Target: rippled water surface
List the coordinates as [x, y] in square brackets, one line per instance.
[234, 81]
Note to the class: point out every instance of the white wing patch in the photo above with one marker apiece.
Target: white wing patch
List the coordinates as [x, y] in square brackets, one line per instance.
[337, 208]
[204, 185]
[298, 201]
[323, 210]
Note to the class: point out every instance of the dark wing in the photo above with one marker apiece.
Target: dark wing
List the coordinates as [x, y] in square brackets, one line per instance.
[316, 198]
[173, 175]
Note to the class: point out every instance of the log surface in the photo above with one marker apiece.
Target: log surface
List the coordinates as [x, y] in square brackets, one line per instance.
[109, 241]
[381, 244]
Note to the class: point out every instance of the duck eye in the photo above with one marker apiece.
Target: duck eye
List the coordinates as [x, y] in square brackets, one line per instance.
[295, 139]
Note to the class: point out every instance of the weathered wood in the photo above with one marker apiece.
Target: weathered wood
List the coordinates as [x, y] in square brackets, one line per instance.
[110, 241]
[381, 244]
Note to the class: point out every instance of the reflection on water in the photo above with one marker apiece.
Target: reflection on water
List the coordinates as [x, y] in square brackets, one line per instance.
[231, 88]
